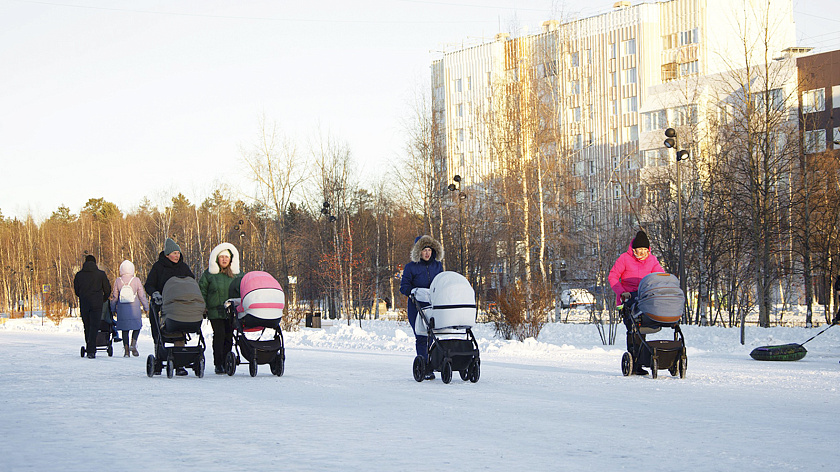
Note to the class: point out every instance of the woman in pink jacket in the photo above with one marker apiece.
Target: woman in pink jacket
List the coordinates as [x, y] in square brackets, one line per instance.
[625, 275]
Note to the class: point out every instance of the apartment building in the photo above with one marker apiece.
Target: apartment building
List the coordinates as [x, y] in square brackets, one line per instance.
[604, 71]
[819, 92]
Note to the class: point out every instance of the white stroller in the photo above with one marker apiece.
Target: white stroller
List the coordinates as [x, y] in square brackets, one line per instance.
[446, 312]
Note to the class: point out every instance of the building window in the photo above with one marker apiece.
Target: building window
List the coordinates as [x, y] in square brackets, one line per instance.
[835, 96]
[617, 192]
[630, 75]
[461, 134]
[591, 167]
[612, 47]
[614, 79]
[651, 158]
[813, 101]
[593, 194]
[631, 104]
[460, 109]
[576, 115]
[461, 160]
[469, 83]
[614, 135]
[836, 138]
[489, 79]
[690, 68]
[575, 87]
[691, 36]
[614, 109]
[574, 59]
[654, 120]
[631, 133]
[629, 47]
[578, 141]
[814, 141]
[458, 85]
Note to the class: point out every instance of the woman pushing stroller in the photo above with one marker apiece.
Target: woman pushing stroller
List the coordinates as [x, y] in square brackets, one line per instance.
[629, 269]
[426, 256]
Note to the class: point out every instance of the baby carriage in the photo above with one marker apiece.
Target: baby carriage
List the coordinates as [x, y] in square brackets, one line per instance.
[659, 304]
[174, 321]
[104, 337]
[446, 312]
[260, 308]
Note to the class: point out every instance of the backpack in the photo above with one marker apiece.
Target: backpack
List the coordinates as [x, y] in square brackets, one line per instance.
[127, 294]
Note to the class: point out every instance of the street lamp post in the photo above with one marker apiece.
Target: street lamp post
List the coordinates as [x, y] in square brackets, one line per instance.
[461, 197]
[671, 142]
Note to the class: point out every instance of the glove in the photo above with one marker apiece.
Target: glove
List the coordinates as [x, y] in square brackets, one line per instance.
[157, 298]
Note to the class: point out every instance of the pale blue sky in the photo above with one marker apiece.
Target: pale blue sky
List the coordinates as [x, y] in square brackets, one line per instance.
[123, 99]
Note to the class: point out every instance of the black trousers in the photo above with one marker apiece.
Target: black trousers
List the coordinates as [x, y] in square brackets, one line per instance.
[222, 339]
[91, 314]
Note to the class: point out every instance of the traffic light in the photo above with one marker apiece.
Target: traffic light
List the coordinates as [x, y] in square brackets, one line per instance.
[670, 138]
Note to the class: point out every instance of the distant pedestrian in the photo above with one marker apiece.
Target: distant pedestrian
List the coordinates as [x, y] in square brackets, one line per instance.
[426, 256]
[127, 299]
[92, 287]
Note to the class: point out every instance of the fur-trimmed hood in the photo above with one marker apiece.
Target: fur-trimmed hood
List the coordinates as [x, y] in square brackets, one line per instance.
[423, 241]
[213, 264]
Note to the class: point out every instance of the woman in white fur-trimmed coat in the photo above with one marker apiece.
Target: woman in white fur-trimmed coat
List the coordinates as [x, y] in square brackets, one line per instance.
[215, 282]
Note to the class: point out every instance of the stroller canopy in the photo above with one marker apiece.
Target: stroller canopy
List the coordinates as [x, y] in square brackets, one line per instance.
[262, 296]
[182, 300]
[452, 301]
[660, 298]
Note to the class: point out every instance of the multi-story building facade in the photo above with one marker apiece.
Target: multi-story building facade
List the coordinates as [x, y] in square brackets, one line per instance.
[602, 72]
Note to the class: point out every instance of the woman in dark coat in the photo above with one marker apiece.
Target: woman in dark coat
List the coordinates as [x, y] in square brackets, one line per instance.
[424, 266]
[92, 287]
[169, 264]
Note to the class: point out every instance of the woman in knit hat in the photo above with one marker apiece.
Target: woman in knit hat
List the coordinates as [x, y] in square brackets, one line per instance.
[629, 269]
[215, 283]
[127, 298]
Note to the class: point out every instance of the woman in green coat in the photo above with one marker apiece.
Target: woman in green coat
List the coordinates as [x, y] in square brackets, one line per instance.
[215, 282]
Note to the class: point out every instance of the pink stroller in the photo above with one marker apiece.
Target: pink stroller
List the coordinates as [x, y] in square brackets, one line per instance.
[259, 309]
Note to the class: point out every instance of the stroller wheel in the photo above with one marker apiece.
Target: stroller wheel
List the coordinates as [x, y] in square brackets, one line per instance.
[252, 366]
[475, 371]
[170, 366]
[277, 365]
[419, 368]
[83, 351]
[230, 363]
[465, 374]
[683, 365]
[199, 367]
[654, 367]
[446, 372]
[627, 364]
[150, 366]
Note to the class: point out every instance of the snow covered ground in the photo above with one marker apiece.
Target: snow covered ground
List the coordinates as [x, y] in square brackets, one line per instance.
[348, 402]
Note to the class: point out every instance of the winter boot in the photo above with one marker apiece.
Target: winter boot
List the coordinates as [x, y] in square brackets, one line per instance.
[134, 348]
[127, 353]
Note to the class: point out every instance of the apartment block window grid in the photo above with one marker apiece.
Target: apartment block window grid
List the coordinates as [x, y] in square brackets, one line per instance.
[814, 141]
[813, 101]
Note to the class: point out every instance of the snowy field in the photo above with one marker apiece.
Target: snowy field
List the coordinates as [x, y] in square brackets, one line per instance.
[348, 402]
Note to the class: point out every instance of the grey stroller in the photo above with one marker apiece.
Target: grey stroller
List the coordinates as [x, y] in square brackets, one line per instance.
[658, 304]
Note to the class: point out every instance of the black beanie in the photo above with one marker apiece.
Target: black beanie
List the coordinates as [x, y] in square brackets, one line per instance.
[90, 258]
[641, 240]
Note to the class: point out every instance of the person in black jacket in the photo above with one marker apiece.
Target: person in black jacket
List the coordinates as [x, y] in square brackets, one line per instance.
[170, 264]
[92, 287]
[426, 256]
